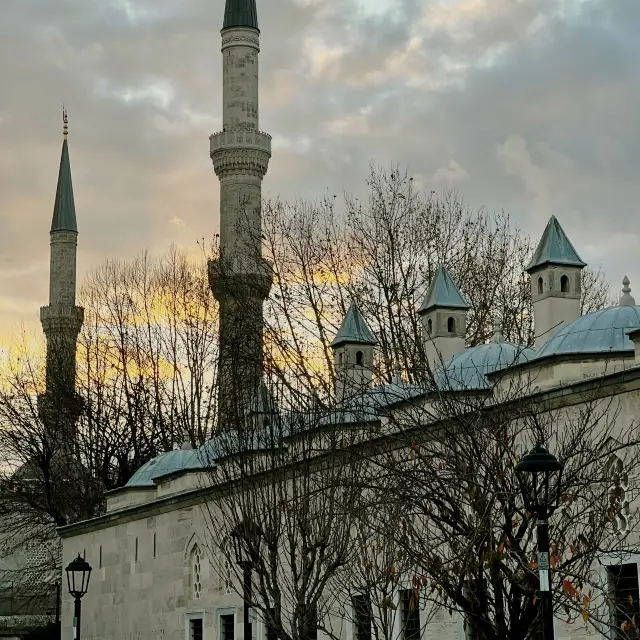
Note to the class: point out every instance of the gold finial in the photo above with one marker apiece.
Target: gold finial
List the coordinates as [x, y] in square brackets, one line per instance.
[65, 122]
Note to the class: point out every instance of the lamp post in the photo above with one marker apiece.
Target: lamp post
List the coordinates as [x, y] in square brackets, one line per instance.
[242, 536]
[539, 474]
[78, 574]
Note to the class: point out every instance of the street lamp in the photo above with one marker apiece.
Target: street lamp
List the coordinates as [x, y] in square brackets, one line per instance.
[244, 537]
[539, 474]
[78, 574]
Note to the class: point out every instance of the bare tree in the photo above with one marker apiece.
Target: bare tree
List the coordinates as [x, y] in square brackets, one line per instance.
[146, 366]
[382, 254]
[469, 543]
[286, 494]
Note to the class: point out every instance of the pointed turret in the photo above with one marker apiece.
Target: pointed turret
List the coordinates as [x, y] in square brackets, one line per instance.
[555, 272]
[354, 329]
[444, 293]
[555, 248]
[353, 354]
[62, 319]
[240, 13]
[444, 319]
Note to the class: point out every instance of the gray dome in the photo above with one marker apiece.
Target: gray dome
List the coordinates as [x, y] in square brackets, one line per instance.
[598, 332]
[162, 465]
[467, 370]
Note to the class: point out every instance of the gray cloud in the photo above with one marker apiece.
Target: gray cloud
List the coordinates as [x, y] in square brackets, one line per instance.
[528, 106]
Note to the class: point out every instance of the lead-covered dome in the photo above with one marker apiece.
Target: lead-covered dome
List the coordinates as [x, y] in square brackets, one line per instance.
[468, 370]
[599, 332]
[161, 465]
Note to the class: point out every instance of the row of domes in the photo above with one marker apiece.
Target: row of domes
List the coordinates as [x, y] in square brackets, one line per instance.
[599, 332]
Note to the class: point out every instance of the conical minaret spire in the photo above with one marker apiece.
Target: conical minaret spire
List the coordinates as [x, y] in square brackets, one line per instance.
[240, 279]
[62, 319]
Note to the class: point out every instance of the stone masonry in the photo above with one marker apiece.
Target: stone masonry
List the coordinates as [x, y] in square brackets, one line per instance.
[240, 278]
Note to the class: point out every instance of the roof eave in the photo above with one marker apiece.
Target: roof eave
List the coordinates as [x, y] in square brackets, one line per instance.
[532, 268]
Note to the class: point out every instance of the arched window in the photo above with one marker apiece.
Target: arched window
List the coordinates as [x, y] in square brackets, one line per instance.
[451, 325]
[196, 572]
[540, 287]
[430, 326]
[564, 284]
[618, 494]
[359, 357]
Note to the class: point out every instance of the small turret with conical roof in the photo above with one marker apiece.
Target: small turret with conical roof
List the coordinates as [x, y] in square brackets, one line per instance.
[444, 318]
[353, 354]
[555, 272]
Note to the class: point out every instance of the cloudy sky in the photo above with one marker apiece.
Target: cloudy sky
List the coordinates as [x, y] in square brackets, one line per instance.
[530, 106]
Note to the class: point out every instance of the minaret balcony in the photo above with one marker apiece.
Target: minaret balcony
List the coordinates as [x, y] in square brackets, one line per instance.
[61, 318]
[240, 151]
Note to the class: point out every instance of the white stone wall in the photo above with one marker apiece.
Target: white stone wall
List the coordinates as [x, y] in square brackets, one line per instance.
[150, 597]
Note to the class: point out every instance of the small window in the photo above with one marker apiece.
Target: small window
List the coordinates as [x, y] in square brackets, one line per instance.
[227, 627]
[154, 545]
[410, 615]
[540, 285]
[362, 616]
[312, 631]
[451, 325]
[619, 508]
[340, 358]
[136, 552]
[196, 629]
[623, 579]
[430, 326]
[564, 284]
[359, 358]
[100, 559]
[196, 572]
[271, 631]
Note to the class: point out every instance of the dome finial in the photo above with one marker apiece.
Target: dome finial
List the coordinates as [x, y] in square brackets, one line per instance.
[65, 122]
[186, 445]
[626, 299]
[497, 331]
[396, 376]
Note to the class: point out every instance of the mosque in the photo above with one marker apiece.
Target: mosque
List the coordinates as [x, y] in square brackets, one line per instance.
[151, 577]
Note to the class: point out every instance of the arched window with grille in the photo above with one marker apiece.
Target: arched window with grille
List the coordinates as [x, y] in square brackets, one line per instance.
[619, 508]
[196, 572]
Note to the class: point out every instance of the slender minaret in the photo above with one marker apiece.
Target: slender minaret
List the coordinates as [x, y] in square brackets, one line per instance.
[240, 278]
[62, 319]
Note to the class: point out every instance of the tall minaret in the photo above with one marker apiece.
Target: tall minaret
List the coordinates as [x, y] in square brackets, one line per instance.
[240, 279]
[62, 319]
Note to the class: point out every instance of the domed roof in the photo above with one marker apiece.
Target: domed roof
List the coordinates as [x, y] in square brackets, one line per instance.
[162, 465]
[467, 370]
[598, 332]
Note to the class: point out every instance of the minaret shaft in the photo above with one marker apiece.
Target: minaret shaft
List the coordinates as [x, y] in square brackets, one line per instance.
[62, 269]
[240, 79]
[240, 279]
